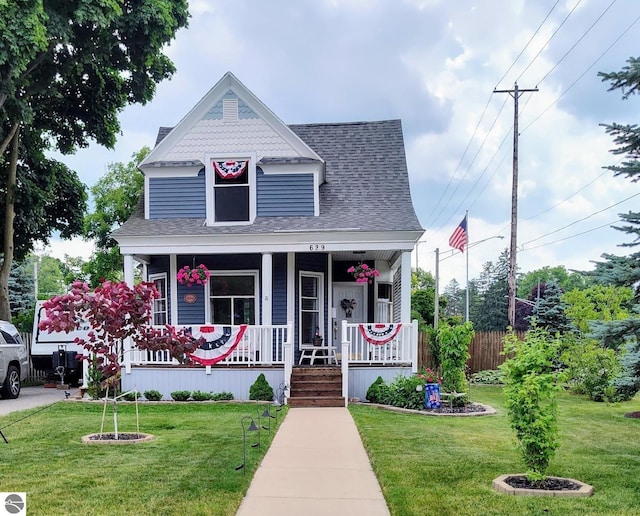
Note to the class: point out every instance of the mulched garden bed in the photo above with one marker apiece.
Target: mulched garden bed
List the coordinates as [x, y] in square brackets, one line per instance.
[466, 409]
[548, 484]
[121, 437]
[633, 414]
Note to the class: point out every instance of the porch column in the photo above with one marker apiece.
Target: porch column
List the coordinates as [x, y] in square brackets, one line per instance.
[405, 293]
[127, 344]
[267, 288]
[128, 269]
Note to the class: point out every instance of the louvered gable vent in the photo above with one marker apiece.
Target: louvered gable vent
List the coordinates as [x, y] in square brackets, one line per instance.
[230, 110]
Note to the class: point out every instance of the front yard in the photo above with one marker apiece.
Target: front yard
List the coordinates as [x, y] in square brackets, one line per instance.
[188, 469]
[425, 464]
[445, 465]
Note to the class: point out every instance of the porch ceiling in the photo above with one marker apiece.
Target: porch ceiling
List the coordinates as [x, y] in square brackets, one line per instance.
[346, 256]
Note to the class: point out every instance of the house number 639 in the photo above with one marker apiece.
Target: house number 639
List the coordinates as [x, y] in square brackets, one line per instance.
[316, 247]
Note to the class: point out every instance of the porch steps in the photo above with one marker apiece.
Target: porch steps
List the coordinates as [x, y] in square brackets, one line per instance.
[316, 386]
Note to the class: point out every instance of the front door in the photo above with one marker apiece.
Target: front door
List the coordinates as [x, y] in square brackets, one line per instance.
[350, 302]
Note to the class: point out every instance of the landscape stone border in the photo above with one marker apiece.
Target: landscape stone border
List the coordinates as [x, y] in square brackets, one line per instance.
[500, 484]
[87, 439]
[488, 410]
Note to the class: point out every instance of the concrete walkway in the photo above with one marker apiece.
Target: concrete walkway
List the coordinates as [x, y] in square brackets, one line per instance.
[32, 397]
[316, 466]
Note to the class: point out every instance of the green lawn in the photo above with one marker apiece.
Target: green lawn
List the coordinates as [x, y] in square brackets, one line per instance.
[445, 465]
[188, 469]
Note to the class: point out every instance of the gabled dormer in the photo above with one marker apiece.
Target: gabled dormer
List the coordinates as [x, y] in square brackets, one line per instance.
[230, 160]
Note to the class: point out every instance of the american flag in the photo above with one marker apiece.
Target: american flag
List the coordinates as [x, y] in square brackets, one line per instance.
[458, 239]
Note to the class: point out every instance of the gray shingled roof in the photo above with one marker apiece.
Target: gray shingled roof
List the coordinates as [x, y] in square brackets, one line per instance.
[367, 186]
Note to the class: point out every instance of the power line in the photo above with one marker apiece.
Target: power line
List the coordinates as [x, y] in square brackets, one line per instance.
[569, 237]
[580, 220]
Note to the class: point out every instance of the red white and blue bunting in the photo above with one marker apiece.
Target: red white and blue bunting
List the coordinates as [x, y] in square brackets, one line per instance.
[230, 169]
[219, 343]
[379, 334]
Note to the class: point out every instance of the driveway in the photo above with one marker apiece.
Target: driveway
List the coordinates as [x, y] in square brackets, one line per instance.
[31, 397]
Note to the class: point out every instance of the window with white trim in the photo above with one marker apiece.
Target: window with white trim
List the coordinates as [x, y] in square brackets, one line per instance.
[311, 306]
[232, 297]
[231, 199]
[160, 309]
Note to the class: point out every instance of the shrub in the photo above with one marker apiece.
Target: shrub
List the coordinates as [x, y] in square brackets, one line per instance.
[488, 377]
[591, 370]
[180, 395]
[406, 392]
[201, 396]
[222, 396]
[378, 391]
[131, 396]
[454, 342]
[260, 390]
[152, 395]
[531, 381]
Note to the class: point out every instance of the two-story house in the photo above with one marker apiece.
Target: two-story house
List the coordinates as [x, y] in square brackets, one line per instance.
[280, 216]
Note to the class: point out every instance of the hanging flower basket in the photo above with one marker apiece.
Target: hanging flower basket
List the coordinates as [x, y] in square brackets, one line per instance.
[362, 273]
[193, 276]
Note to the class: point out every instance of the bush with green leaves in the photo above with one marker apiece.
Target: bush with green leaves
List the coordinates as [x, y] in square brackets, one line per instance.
[488, 377]
[152, 395]
[180, 395]
[378, 391]
[591, 370]
[453, 350]
[222, 396]
[260, 390]
[201, 396]
[131, 396]
[406, 392]
[532, 380]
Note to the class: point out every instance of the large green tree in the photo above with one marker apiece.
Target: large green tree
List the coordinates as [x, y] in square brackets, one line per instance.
[624, 270]
[488, 310]
[566, 280]
[115, 197]
[67, 69]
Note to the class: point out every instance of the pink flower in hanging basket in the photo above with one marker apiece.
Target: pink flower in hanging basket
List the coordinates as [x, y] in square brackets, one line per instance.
[362, 273]
[197, 276]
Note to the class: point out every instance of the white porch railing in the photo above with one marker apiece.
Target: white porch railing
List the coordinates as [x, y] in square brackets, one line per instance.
[402, 349]
[260, 345]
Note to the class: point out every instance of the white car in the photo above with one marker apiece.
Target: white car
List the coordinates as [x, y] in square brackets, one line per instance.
[14, 360]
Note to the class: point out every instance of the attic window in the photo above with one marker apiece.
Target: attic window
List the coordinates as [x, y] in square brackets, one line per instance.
[230, 110]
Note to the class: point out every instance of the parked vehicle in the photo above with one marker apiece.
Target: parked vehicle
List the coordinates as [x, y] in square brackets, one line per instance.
[14, 360]
[56, 352]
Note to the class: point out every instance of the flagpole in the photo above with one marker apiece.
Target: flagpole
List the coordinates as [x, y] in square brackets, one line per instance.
[466, 216]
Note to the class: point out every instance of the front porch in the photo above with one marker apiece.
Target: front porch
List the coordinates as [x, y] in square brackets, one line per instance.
[269, 349]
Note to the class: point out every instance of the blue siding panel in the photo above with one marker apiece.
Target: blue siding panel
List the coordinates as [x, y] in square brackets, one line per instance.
[285, 194]
[279, 303]
[177, 197]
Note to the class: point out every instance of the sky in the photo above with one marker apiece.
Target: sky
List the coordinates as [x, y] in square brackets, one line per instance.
[434, 64]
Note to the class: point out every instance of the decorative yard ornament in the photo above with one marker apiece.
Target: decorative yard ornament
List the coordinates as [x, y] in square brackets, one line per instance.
[348, 305]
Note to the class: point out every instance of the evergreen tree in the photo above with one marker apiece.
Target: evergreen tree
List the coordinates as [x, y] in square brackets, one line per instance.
[490, 309]
[549, 311]
[456, 299]
[624, 270]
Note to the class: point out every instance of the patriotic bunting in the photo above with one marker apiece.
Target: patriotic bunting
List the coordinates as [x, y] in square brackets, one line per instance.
[218, 343]
[379, 334]
[230, 169]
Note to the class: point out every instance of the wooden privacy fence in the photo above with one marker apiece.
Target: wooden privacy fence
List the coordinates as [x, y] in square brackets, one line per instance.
[485, 350]
[34, 375]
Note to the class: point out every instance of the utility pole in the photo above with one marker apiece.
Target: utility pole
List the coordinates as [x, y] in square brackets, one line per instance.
[511, 278]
